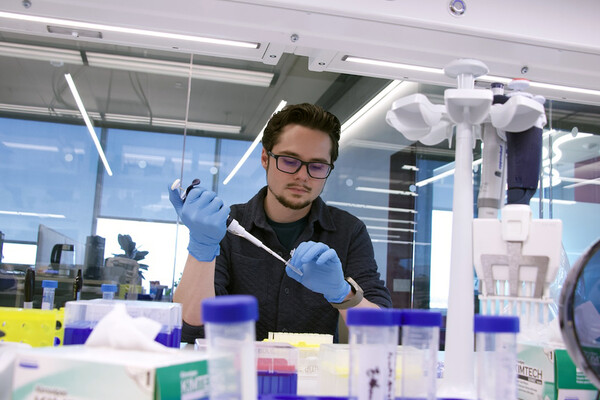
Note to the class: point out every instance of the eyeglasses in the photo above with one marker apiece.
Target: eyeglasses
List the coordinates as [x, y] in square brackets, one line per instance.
[291, 165]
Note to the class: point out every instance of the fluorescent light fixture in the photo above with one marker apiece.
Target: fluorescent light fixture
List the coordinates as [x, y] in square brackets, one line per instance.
[399, 221]
[485, 78]
[126, 119]
[555, 201]
[372, 103]
[400, 242]
[389, 64]
[580, 182]
[27, 146]
[203, 126]
[386, 191]
[410, 168]
[37, 110]
[370, 207]
[31, 214]
[178, 69]
[258, 138]
[373, 145]
[132, 31]
[541, 85]
[564, 88]
[88, 122]
[442, 175]
[138, 64]
[385, 228]
[40, 53]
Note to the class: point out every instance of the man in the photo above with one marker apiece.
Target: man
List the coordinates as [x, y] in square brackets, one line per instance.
[333, 251]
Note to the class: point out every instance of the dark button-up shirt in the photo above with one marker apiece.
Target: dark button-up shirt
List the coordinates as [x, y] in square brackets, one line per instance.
[284, 304]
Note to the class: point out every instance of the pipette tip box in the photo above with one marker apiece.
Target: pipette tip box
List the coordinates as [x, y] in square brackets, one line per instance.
[82, 316]
[277, 368]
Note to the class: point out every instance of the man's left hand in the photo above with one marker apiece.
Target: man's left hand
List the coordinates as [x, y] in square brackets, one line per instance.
[321, 269]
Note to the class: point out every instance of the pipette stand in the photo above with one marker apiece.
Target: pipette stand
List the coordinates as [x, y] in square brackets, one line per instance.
[418, 119]
[516, 259]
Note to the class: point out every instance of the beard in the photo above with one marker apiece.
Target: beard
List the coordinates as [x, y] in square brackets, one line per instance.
[289, 204]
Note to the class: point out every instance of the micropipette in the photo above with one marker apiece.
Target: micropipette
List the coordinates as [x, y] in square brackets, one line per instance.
[235, 228]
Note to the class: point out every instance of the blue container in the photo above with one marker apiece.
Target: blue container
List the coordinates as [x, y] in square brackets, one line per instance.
[82, 316]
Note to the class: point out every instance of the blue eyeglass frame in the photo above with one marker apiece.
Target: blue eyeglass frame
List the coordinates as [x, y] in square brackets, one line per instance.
[307, 163]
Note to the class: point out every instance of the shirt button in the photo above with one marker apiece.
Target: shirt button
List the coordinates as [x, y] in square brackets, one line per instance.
[286, 290]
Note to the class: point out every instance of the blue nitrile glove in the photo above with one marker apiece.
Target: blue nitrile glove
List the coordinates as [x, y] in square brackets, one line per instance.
[322, 271]
[205, 216]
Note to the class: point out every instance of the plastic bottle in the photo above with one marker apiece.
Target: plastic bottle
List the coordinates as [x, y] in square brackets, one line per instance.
[229, 323]
[419, 351]
[48, 294]
[496, 345]
[373, 339]
[77, 285]
[108, 291]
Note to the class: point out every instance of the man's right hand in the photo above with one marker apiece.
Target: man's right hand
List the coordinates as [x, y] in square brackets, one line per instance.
[205, 215]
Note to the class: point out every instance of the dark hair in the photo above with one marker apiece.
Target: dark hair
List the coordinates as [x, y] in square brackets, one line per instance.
[307, 115]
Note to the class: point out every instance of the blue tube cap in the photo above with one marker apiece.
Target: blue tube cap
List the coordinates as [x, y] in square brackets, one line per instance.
[496, 324]
[412, 317]
[108, 287]
[49, 284]
[373, 317]
[231, 308]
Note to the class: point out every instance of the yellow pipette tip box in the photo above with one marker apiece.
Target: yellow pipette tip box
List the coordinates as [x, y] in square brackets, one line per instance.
[38, 328]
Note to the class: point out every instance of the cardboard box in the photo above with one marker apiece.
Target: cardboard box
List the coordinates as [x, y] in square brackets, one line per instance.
[80, 372]
[546, 373]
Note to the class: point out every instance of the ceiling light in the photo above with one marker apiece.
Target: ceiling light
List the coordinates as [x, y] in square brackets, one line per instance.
[484, 78]
[40, 53]
[387, 191]
[442, 175]
[390, 229]
[201, 126]
[578, 182]
[27, 146]
[258, 138]
[371, 207]
[178, 69]
[555, 201]
[398, 221]
[383, 94]
[88, 122]
[31, 214]
[15, 108]
[389, 64]
[125, 119]
[138, 64]
[373, 145]
[133, 31]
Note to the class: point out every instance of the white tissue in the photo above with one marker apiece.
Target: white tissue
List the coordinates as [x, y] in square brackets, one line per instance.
[119, 330]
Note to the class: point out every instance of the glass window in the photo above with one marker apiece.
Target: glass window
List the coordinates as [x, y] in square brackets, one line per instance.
[144, 164]
[48, 177]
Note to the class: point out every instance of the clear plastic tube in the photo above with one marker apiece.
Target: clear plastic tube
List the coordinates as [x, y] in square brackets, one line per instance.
[496, 345]
[108, 291]
[48, 294]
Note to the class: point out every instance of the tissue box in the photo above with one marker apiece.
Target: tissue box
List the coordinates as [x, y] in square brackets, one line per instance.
[549, 373]
[83, 315]
[80, 372]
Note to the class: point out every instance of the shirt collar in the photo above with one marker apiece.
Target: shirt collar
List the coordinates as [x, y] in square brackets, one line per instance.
[255, 214]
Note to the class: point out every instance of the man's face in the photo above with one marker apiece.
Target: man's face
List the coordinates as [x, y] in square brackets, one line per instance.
[297, 191]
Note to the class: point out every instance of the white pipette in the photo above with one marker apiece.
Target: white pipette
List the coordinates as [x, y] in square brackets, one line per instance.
[235, 228]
